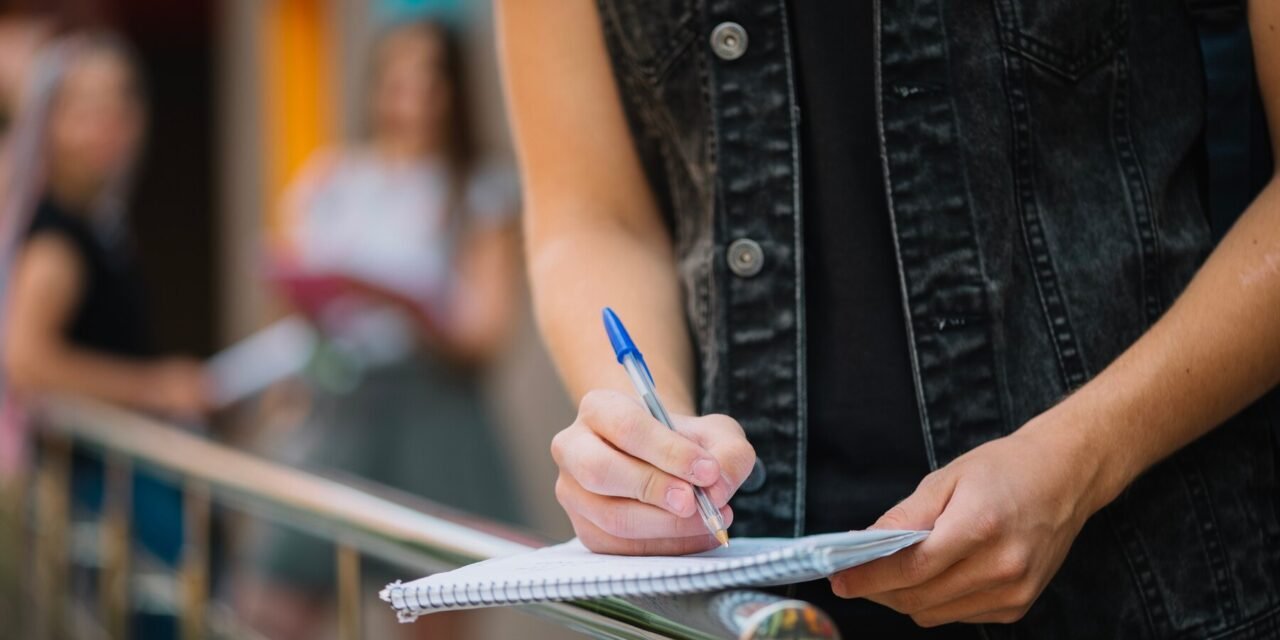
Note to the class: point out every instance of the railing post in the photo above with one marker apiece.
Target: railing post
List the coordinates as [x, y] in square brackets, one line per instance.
[113, 579]
[53, 510]
[14, 546]
[195, 559]
[349, 601]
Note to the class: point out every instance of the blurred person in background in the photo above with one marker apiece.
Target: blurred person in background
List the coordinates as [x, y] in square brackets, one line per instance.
[423, 238]
[73, 310]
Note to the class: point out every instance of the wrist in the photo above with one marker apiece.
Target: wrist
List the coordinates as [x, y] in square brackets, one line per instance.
[1081, 434]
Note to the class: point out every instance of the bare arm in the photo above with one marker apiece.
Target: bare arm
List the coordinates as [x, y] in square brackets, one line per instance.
[595, 239]
[1218, 347]
[594, 235]
[47, 284]
[1004, 514]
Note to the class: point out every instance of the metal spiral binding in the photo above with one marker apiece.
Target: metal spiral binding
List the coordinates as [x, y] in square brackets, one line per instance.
[780, 564]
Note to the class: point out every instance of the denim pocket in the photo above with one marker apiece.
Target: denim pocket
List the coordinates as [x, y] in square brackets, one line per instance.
[651, 34]
[1068, 37]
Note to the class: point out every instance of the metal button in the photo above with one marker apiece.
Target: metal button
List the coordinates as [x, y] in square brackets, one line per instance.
[729, 40]
[746, 258]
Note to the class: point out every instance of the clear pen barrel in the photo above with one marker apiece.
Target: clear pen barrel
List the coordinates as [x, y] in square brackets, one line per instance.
[644, 387]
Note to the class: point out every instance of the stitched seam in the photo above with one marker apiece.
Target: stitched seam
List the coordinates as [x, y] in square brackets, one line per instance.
[921, 406]
[1061, 333]
[997, 368]
[802, 431]
[655, 66]
[1266, 621]
[1139, 568]
[1070, 66]
[1207, 519]
[1139, 195]
[711, 348]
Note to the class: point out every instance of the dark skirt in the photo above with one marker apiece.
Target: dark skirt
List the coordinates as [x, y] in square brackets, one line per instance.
[418, 426]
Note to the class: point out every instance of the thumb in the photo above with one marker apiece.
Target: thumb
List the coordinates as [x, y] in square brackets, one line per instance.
[920, 509]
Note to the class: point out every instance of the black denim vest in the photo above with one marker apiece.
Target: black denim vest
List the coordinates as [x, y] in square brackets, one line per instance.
[1040, 161]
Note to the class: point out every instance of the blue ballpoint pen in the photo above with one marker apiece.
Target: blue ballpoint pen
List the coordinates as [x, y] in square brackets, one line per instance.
[630, 358]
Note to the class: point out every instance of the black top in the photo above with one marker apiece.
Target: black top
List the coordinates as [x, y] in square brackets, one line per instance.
[866, 448]
[110, 316]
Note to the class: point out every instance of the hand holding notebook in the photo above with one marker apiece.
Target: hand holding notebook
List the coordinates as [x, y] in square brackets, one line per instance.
[570, 572]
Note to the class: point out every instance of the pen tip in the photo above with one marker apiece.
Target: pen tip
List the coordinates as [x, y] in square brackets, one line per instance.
[723, 537]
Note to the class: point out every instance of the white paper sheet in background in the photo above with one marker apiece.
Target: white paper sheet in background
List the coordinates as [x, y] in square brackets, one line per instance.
[272, 354]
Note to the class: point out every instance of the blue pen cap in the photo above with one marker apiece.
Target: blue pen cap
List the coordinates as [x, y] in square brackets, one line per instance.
[618, 336]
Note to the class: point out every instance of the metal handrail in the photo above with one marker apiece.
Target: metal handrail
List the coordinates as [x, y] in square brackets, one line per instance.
[422, 538]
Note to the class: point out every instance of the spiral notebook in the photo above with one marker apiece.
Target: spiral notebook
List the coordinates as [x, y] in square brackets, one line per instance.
[570, 572]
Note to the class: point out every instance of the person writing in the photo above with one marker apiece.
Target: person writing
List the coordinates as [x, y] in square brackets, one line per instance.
[936, 269]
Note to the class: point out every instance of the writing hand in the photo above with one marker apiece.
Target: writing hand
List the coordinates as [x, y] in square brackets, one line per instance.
[626, 481]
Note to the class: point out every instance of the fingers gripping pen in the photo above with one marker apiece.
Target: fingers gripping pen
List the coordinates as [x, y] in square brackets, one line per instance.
[630, 358]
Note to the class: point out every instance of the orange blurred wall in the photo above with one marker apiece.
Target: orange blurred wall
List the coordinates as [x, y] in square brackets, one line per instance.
[300, 104]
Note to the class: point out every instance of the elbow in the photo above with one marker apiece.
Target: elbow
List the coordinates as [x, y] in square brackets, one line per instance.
[23, 368]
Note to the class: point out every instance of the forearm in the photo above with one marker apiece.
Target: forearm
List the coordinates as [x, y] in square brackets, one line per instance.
[79, 372]
[578, 271]
[1215, 351]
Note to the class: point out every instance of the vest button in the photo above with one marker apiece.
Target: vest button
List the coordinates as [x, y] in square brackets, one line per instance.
[729, 40]
[746, 258]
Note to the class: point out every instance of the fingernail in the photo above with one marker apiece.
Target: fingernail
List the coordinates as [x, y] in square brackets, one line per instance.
[706, 471]
[680, 500]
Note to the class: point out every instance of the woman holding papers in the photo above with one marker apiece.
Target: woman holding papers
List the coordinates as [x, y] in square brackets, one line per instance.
[402, 252]
[73, 316]
[937, 265]
[74, 320]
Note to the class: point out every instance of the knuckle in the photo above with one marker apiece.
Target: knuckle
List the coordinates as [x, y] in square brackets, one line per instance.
[598, 408]
[593, 475]
[649, 487]
[929, 481]
[595, 541]
[1011, 616]
[1013, 566]
[908, 601]
[722, 422]
[675, 449]
[617, 521]
[744, 457]
[590, 405]
[558, 444]
[926, 620]
[895, 517]
[1023, 596]
[914, 565]
[623, 426]
[988, 525]
[563, 492]
[840, 586]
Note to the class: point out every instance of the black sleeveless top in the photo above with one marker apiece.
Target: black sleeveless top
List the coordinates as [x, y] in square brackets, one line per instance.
[110, 316]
